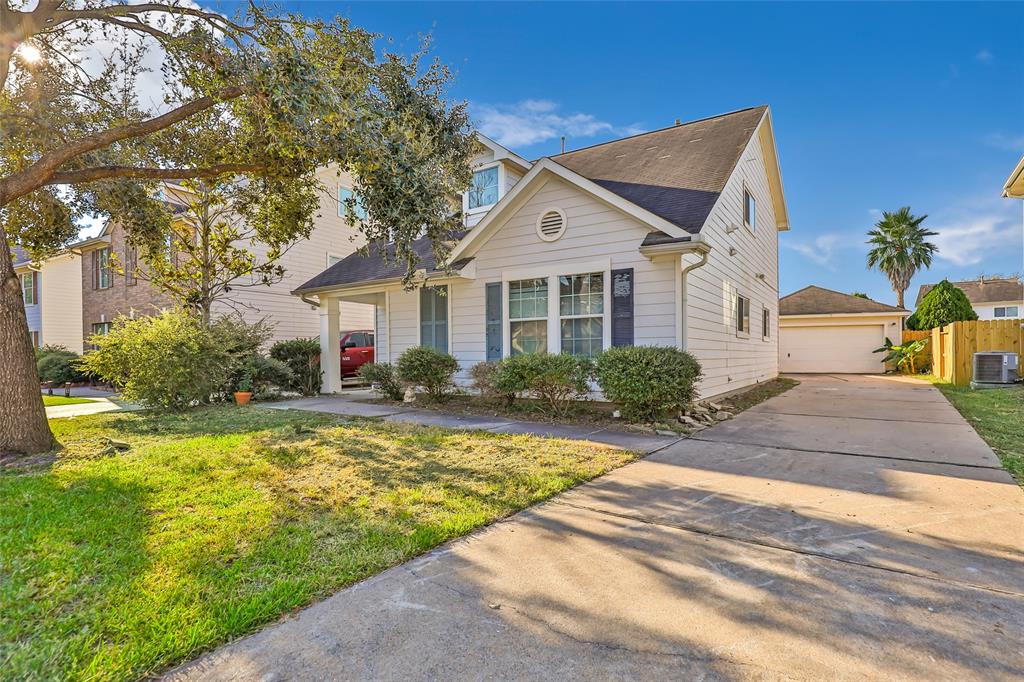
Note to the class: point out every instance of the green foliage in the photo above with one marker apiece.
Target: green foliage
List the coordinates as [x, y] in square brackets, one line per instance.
[58, 365]
[900, 248]
[268, 376]
[903, 356]
[171, 361]
[859, 294]
[384, 377]
[485, 377]
[429, 369]
[303, 358]
[647, 381]
[558, 380]
[942, 305]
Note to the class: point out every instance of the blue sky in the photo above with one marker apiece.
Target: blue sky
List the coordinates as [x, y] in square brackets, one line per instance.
[875, 105]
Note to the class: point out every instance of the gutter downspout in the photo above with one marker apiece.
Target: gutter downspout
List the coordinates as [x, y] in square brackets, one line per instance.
[305, 299]
[682, 276]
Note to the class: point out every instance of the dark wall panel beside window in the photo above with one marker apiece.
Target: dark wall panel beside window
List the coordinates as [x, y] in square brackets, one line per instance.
[494, 348]
[622, 307]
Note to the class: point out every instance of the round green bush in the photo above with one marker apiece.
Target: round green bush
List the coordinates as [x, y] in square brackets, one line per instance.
[60, 367]
[383, 376]
[557, 380]
[647, 381]
[303, 358]
[429, 369]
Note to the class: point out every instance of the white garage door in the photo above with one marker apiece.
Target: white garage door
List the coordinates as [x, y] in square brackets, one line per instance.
[835, 349]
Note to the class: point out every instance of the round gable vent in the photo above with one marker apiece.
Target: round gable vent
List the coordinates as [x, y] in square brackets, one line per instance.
[551, 224]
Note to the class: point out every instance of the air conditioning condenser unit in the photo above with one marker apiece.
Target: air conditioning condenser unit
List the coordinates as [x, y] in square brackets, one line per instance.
[995, 367]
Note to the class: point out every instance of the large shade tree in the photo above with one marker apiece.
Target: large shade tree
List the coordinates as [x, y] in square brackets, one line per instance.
[900, 247]
[89, 125]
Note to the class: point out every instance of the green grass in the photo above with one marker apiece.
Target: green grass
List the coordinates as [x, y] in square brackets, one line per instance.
[998, 416]
[54, 400]
[220, 520]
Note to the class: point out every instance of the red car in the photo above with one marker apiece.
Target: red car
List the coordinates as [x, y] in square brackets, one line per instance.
[356, 350]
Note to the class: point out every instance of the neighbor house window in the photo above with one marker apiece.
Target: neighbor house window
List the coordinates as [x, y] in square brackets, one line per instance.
[766, 323]
[102, 277]
[743, 315]
[581, 313]
[131, 265]
[28, 288]
[528, 315]
[1006, 311]
[344, 194]
[101, 328]
[434, 317]
[484, 189]
[749, 209]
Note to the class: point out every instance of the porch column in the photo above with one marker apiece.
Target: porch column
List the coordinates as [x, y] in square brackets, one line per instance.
[330, 345]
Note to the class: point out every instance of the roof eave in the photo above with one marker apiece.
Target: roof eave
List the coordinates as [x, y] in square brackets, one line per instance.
[1014, 187]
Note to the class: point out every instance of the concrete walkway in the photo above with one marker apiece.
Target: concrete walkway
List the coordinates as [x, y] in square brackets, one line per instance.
[102, 401]
[350, 404]
[854, 528]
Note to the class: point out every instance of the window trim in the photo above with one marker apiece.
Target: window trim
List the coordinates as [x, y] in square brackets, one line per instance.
[31, 298]
[501, 183]
[743, 209]
[605, 314]
[330, 256]
[766, 324]
[742, 333]
[507, 308]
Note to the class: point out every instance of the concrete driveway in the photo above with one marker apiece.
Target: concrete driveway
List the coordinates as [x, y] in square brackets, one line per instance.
[855, 527]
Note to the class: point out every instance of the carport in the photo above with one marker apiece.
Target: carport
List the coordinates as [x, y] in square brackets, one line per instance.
[825, 331]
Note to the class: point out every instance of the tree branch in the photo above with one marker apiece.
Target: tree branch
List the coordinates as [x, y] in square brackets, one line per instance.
[105, 172]
[45, 169]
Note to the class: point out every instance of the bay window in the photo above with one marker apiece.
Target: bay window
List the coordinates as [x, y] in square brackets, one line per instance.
[528, 315]
[484, 189]
[581, 313]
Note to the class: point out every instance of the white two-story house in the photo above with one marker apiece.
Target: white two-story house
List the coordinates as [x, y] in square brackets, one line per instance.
[665, 238]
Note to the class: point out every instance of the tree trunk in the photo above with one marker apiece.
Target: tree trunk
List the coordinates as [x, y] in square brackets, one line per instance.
[23, 426]
[899, 298]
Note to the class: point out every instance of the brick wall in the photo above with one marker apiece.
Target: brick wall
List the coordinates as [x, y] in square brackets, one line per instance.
[103, 305]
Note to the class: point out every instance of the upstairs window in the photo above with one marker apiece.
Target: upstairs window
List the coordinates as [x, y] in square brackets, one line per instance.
[1006, 311]
[131, 266]
[28, 288]
[484, 189]
[102, 277]
[749, 210]
[344, 194]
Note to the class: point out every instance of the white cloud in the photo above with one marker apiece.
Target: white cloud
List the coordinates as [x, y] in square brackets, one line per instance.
[1005, 141]
[537, 120]
[969, 241]
[984, 56]
[821, 249]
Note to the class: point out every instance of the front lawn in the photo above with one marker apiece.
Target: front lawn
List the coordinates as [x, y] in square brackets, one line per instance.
[117, 566]
[997, 414]
[54, 400]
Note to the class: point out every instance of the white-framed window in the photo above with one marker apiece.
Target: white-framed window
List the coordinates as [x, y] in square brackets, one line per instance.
[28, 288]
[742, 316]
[749, 209]
[101, 328]
[344, 194]
[766, 324]
[528, 315]
[581, 313]
[484, 188]
[1006, 311]
[332, 259]
[102, 276]
[434, 317]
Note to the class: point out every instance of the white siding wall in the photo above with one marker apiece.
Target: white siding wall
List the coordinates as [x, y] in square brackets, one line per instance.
[595, 232]
[60, 301]
[331, 236]
[729, 361]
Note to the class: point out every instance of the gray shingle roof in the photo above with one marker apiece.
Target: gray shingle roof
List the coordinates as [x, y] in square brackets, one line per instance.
[676, 173]
[983, 291]
[814, 300]
[376, 265]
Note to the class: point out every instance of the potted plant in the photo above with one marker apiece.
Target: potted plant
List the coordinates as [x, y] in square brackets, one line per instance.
[243, 392]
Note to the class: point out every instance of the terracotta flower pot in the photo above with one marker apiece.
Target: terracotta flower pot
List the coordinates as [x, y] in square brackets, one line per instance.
[243, 397]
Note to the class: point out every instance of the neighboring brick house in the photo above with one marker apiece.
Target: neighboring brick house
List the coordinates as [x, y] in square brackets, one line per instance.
[106, 293]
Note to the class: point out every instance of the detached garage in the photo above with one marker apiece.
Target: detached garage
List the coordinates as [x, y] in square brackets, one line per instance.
[825, 331]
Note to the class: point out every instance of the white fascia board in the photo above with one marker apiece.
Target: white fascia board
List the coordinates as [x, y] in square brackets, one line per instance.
[816, 316]
[503, 153]
[527, 186]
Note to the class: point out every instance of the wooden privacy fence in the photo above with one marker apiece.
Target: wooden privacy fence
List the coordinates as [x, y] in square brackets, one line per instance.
[953, 346]
[924, 358]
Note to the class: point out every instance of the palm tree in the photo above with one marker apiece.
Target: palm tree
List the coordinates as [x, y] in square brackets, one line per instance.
[900, 248]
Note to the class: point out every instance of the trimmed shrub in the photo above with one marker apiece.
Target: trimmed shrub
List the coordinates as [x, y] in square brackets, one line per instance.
[647, 381]
[269, 377]
[942, 305]
[558, 380]
[60, 366]
[429, 369]
[485, 376]
[171, 361]
[383, 376]
[303, 358]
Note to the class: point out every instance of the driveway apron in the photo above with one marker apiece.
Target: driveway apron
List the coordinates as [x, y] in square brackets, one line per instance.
[854, 527]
